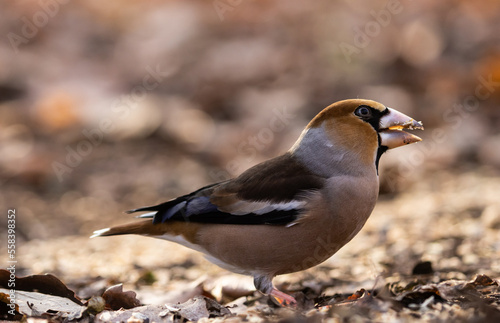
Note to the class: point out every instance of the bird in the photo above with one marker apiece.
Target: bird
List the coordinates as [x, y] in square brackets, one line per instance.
[291, 212]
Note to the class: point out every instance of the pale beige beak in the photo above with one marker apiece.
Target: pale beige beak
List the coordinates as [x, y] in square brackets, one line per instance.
[391, 129]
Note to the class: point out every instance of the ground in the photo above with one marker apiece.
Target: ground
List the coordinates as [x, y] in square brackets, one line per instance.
[429, 253]
[109, 106]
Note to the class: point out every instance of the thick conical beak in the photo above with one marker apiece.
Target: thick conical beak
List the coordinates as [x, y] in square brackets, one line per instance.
[391, 129]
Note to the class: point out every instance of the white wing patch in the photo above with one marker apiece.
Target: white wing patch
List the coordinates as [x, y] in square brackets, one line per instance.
[258, 208]
[147, 215]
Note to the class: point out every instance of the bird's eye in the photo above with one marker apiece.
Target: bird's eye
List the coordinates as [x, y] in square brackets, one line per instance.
[363, 112]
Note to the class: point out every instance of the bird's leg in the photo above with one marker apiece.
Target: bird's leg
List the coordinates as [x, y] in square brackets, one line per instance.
[264, 285]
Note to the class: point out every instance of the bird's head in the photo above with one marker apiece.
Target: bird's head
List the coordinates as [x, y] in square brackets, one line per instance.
[354, 131]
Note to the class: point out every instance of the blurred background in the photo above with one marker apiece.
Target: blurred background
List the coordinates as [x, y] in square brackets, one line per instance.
[107, 106]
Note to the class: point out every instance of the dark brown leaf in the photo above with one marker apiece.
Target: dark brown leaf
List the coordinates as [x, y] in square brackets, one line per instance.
[483, 280]
[423, 268]
[116, 298]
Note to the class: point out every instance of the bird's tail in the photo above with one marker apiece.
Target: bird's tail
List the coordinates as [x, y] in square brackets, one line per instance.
[142, 227]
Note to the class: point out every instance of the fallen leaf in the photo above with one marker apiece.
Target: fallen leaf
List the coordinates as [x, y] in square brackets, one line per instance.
[116, 298]
[483, 280]
[153, 313]
[36, 304]
[192, 310]
[423, 268]
[44, 284]
[197, 308]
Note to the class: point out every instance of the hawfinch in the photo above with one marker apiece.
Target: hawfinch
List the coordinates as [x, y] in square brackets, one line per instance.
[291, 212]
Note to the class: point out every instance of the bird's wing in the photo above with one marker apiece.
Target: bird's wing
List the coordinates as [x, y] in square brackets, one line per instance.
[274, 192]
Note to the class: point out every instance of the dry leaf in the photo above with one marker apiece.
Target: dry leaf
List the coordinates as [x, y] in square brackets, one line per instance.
[116, 298]
[44, 284]
[36, 304]
[197, 308]
[192, 310]
[151, 313]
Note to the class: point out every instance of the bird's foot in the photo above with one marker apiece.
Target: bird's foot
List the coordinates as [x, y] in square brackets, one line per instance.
[282, 298]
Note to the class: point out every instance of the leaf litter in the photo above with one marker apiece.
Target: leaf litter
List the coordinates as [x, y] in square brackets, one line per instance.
[422, 256]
